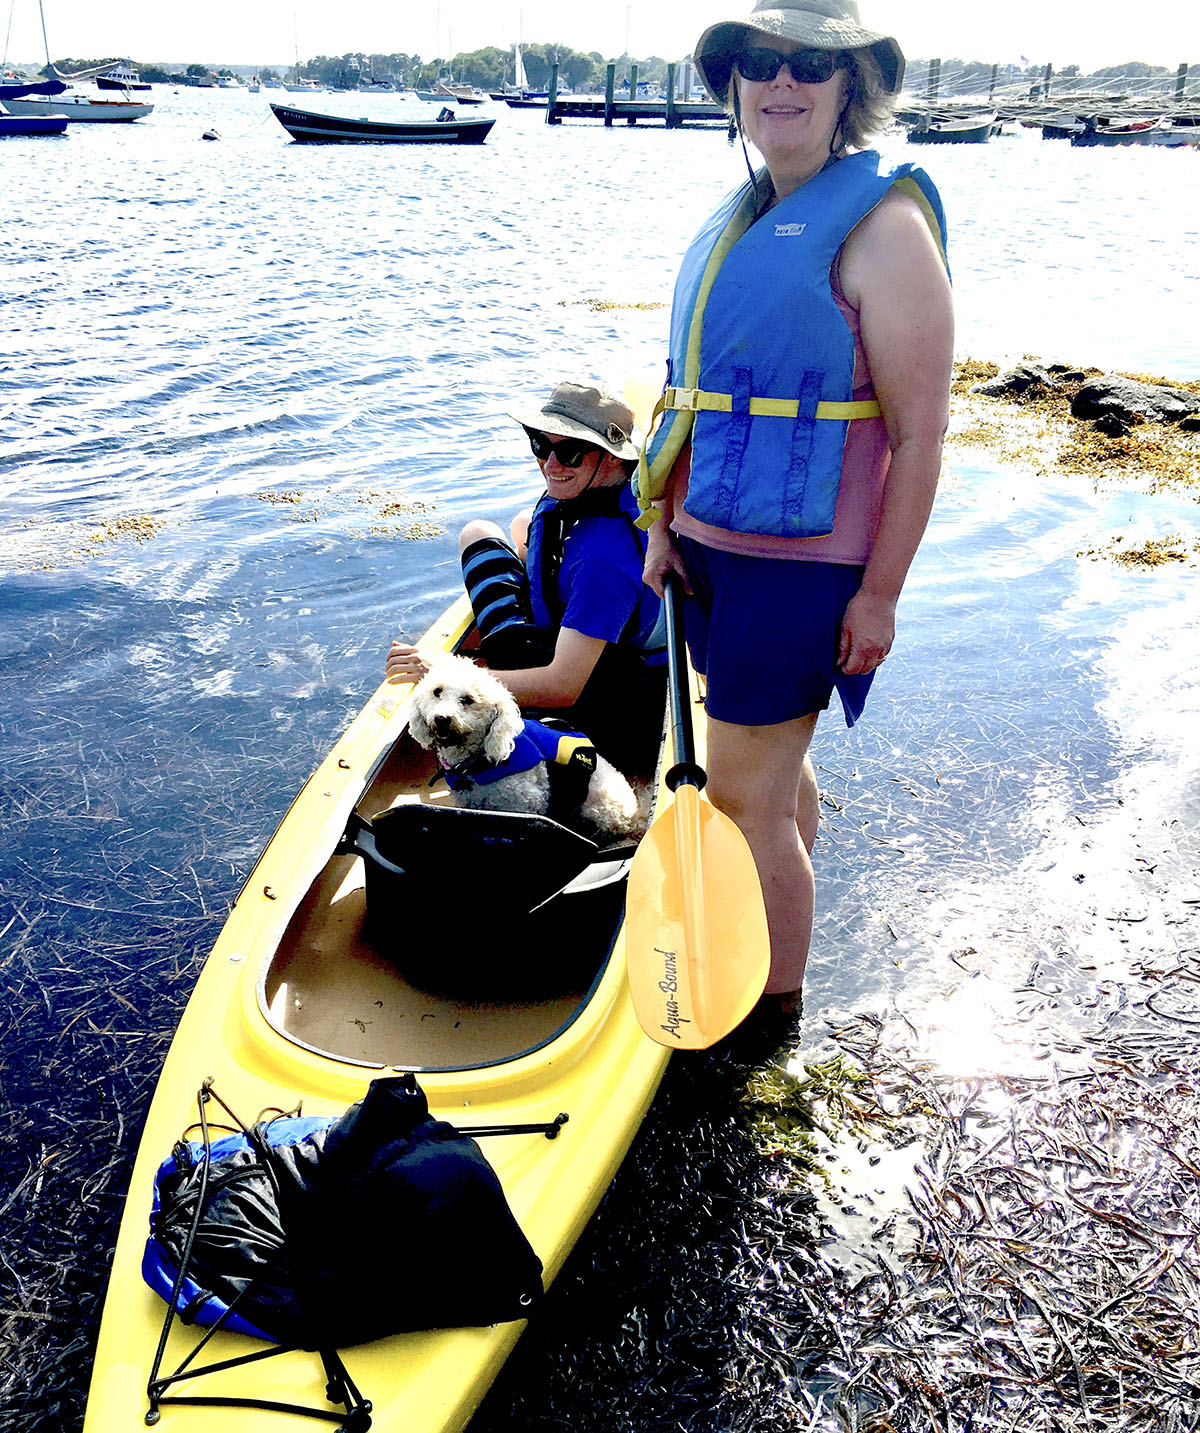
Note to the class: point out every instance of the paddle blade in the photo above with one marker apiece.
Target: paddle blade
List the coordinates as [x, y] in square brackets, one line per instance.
[695, 927]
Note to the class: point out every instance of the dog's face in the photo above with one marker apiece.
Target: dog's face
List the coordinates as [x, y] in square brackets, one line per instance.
[460, 710]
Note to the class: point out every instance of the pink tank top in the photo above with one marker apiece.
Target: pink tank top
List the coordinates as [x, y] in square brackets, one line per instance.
[865, 461]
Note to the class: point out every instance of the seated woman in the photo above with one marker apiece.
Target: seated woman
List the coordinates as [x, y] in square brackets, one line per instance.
[562, 610]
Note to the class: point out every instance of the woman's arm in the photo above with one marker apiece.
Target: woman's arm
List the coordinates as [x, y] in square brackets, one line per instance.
[892, 273]
[662, 556]
[560, 683]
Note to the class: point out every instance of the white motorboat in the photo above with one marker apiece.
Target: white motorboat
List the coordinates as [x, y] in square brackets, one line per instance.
[121, 77]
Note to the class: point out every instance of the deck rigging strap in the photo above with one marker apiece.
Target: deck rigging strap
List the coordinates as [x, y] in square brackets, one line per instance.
[339, 1388]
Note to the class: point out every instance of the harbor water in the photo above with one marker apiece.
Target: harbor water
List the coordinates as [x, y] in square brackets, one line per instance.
[251, 389]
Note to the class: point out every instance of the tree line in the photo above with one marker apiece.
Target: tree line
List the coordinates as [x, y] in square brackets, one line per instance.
[489, 68]
[970, 74]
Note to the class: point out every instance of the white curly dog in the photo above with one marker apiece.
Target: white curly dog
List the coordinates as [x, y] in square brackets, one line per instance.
[486, 750]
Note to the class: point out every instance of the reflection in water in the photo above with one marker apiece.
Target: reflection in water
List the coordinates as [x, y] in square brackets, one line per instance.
[962, 1036]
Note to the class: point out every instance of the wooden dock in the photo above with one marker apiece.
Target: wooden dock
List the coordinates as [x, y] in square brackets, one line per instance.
[671, 111]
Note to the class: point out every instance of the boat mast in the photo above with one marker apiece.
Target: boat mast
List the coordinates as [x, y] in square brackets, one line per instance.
[12, 5]
[520, 80]
[46, 43]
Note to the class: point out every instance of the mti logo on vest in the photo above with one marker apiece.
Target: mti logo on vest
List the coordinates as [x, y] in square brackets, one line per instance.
[789, 231]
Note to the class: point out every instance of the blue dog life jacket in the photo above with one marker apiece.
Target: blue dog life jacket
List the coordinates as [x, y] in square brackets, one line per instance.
[761, 366]
[570, 761]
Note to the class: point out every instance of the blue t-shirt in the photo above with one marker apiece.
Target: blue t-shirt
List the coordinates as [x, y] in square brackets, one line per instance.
[600, 580]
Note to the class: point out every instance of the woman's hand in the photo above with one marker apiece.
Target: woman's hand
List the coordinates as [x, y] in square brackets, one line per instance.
[868, 630]
[405, 663]
[662, 556]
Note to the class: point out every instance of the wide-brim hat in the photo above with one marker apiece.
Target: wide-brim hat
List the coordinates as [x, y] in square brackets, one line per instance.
[819, 24]
[580, 410]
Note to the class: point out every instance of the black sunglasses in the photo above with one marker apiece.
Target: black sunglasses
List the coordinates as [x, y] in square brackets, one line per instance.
[570, 452]
[807, 67]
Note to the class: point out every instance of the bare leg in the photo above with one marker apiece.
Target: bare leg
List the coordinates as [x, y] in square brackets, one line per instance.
[808, 805]
[476, 530]
[518, 530]
[760, 777]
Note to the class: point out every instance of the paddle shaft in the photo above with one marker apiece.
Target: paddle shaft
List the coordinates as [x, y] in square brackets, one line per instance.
[685, 772]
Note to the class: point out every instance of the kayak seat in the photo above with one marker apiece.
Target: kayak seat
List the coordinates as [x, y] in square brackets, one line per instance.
[507, 878]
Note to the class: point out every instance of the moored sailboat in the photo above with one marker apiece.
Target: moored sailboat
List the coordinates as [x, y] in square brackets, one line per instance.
[52, 97]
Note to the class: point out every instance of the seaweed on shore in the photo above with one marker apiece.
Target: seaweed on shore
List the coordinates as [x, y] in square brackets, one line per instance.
[1033, 427]
[1154, 552]
[1035, 1263]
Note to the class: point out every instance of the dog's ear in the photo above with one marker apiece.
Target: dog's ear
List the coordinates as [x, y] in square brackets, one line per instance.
[502, 735]
[417, 725]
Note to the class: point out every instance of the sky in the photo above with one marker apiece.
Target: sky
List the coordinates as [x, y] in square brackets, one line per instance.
[270, 32]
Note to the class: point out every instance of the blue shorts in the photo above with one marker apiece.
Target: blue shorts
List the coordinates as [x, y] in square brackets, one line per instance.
[765, 631]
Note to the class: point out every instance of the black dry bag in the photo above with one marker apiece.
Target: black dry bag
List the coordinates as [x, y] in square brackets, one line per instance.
[319, 1233]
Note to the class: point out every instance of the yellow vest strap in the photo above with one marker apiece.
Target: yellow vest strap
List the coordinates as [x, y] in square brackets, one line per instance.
[696, 400]
[575, 748]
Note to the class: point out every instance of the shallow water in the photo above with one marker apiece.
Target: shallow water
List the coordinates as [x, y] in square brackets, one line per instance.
[266, 346]
[294, 362]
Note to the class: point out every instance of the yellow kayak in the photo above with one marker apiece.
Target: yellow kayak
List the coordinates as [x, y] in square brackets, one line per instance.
[301, 1003]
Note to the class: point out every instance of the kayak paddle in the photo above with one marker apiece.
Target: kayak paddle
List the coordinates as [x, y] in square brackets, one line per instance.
[695, 926]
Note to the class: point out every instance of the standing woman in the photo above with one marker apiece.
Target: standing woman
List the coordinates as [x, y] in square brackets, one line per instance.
[793, 472]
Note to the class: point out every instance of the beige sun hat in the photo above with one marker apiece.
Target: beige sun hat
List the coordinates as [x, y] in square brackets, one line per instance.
[820, 24]
[580, 410]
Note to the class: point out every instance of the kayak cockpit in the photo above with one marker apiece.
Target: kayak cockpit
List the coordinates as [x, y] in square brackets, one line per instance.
[436, 938]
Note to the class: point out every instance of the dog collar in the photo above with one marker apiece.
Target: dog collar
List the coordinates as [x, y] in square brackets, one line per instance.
[458, 774]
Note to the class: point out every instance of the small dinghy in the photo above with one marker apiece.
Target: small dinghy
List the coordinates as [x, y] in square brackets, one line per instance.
[309, 128]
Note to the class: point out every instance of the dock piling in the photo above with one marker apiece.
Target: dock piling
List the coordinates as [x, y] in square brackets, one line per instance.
[552, 115]
[676, 113]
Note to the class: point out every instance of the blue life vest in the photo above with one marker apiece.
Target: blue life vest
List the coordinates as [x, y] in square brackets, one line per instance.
[619, 543]
[761, 367]
[570, 762]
